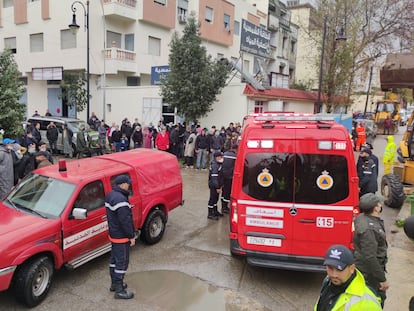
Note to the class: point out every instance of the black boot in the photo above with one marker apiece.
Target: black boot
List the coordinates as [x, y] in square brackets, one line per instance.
[124, 294]
[216, 212]
[224, 207]
[113, 286]
[211, 214]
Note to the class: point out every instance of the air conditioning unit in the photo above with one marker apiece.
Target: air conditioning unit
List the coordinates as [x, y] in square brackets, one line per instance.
[182, 19]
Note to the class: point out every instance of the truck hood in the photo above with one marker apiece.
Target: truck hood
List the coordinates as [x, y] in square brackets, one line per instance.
[17, 225]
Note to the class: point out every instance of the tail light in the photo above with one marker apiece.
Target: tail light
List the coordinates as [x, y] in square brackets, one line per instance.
[234, 217]
[62, 165]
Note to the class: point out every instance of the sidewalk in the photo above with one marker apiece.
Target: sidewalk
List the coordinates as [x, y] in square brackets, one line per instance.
[400, 266]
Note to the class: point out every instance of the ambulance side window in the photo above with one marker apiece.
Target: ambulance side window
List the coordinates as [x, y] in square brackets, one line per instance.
[91, 197]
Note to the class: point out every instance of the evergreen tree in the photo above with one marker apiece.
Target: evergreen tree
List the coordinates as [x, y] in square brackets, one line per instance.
[195, 78]
[11, 89]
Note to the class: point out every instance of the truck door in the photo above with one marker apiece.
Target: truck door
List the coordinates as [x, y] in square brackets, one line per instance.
[83, 235]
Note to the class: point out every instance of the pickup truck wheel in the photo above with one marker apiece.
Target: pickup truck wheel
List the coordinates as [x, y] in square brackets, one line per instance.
[393, 191]
[154, 227]
[33, 281]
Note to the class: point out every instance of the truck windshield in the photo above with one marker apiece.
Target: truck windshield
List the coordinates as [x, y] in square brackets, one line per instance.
[296, 178]
[43, 195]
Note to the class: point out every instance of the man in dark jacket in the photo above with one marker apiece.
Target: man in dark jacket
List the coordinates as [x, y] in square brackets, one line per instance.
[82, 144]
[52, 136]
[368, 175]
[201, 147]
[371, 244]
[229, 159]
[121, 235]
[366, 153]
[215, 183]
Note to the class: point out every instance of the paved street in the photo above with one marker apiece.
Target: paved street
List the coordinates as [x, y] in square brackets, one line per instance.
[192, 269]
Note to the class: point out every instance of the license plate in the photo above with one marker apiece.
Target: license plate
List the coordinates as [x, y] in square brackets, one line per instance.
[264, 241]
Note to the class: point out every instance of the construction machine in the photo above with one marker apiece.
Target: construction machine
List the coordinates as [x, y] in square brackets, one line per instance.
[387, 108]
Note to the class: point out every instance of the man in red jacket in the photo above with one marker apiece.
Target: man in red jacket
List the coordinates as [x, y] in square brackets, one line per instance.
[162, 141]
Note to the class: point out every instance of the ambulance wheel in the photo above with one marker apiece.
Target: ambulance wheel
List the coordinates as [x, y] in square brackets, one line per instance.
[33, 280]
[409, 227]
[154, 227]
[392, 190]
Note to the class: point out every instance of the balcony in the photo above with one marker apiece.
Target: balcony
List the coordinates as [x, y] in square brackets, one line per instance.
[120, 60]
[121, 10]
[284, 23]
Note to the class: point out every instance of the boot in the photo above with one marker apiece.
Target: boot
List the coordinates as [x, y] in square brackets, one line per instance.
[216, 212]
[211, 214]
[113, 286]
[124, 294]
[224, 207]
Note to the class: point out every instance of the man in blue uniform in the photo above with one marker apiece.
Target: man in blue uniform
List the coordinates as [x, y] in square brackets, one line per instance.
[228, 168]
[121, 235]
[215, 182]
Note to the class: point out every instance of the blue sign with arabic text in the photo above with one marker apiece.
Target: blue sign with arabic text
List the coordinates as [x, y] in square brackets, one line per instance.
[254, 39]
[157, 72]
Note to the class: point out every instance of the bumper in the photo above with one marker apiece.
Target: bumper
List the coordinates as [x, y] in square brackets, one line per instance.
[278, 261]
[6, 275]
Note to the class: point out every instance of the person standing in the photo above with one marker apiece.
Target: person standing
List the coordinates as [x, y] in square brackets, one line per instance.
[82, 142]
[367, 174]
[67, 141]
[52, 136]
[138, 137]
[6, 167]
[215, 183]
[201, 147]
[189, 147]
[229, 159]
[389, 155]
[216, 142]
[162, 141]
[344, 287]
[371, 244]
[102, 137]
[361, 136]
[387, 125]
[121, 235]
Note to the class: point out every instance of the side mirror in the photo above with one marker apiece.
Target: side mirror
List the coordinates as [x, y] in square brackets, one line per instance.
[79, 213]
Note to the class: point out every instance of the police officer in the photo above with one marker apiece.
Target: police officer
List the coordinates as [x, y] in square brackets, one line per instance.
[215, 183]
[370, 244]
[368, 174]
[121, 235]
[229, 159]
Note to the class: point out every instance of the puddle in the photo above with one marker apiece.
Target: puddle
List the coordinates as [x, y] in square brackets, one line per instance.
[177, 291]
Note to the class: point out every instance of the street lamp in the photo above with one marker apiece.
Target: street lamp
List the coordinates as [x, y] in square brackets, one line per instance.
[341, 37]
[74, 27]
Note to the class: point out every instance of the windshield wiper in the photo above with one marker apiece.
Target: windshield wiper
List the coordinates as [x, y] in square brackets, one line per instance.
[31, 211]
[11, 203]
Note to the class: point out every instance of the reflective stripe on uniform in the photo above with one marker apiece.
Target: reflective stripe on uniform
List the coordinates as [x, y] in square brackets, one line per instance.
[355, 299]
[116, 206]
[120, 271]
[122, 240]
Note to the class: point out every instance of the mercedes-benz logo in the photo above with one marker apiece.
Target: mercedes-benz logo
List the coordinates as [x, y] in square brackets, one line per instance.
[293, 211]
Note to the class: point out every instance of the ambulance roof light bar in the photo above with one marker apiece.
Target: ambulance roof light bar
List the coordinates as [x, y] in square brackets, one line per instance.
[289, 117]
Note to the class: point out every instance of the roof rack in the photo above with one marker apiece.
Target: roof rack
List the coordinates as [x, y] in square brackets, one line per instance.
[280, 116]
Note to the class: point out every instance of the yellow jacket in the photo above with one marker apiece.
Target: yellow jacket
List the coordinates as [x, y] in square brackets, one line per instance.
[357, 297]
[390, 149]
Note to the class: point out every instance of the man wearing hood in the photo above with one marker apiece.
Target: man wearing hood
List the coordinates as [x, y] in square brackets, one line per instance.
[389, 154]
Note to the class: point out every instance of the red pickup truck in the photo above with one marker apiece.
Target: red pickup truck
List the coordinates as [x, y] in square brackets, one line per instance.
[56, 216]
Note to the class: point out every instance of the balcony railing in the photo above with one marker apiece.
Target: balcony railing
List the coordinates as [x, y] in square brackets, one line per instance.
[131, 3]
[119, 54]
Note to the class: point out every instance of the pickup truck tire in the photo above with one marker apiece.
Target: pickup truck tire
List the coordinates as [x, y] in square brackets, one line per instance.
[393, 191]
[33, 281]
[154, 227]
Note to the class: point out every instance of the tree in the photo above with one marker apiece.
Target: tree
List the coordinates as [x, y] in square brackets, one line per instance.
[194, 79]
[371, 28]
[74, 93]
[11, 89]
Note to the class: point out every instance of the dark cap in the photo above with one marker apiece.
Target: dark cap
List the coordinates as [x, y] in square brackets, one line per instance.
[338, 256]
[41, 153]
[122, 179]
[218, 154]
[367, 151]
[368, 201]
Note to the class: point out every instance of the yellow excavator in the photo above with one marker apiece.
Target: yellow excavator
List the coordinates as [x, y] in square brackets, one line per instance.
[398, 72]
[387, 108]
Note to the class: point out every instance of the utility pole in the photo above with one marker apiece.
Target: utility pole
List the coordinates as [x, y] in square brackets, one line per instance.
[369, 87]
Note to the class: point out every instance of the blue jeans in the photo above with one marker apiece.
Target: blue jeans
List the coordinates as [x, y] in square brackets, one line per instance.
[201, 158]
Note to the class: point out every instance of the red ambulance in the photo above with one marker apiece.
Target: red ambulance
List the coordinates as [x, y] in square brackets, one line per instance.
[295, 190]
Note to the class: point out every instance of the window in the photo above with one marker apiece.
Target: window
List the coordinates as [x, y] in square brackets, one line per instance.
[295, 177]
[292, 46]
[129, 42]
[182, 8]
[154, 46]
[162, 2]
[284, 42]
[209, 15]
[36, 42]
[67, 39]
[236, 30]
[10, 43]
[133, 81]
[91, 197]
[258, 107]
[227, 22]
[7, 3]
[113, 38]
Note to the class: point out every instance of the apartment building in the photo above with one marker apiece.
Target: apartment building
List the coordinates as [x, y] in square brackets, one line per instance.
[128, 51]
